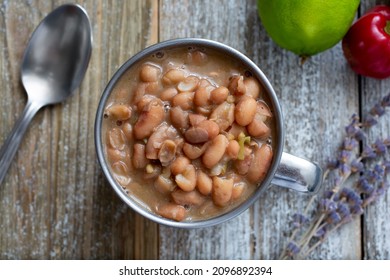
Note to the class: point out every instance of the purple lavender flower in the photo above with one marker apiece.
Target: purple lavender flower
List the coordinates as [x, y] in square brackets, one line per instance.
[344, 169]
[379, 170]
[333, 218]
[350, 144]
[375, 175]
[355, 119]
[351, 196]
[351, 130]
[368, 152]
[386, 141]
[364, 185]
[292, 248]
[320, 233]
[340, 204]
[299, 220]
[357, 209]
[328, 194]
[370, 198]
[378, 110]
[380, 147]
[343, 210]
[370, 121]
[344, 156]
[359, 135]
[386, 101]
[356, 166]
[328, 205]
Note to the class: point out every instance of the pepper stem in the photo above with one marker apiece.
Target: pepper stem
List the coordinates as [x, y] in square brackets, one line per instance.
[387, 27]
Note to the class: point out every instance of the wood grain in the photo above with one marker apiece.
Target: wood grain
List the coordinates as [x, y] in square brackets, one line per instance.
[376, 230]
[55, 202]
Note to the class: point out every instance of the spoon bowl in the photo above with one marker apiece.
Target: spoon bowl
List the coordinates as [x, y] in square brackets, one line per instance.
[54, 64]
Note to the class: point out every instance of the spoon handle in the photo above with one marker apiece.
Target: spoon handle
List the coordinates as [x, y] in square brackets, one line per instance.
[11, 145]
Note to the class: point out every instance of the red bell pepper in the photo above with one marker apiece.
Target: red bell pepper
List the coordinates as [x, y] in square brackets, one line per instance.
[366, 45]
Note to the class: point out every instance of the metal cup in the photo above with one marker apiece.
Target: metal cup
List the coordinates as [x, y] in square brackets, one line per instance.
[286, 170]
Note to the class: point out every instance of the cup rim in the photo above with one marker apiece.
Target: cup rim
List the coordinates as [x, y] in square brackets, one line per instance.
[177, 43]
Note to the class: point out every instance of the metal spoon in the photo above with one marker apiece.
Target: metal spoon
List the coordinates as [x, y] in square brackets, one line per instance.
[54, 64]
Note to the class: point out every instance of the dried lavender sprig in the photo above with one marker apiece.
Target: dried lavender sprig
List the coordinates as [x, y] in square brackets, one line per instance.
[350, 205]
[347, 163]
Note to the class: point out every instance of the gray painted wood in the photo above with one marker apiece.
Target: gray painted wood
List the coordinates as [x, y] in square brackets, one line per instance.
[55, 202]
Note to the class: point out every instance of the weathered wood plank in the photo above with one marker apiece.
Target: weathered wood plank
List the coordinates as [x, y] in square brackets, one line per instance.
[376, 217]
[315, 102]
[55, 202]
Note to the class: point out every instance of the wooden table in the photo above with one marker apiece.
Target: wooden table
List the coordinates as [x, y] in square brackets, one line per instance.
[55, 202]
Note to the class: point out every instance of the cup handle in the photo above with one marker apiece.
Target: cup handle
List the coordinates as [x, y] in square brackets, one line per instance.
[298, 174]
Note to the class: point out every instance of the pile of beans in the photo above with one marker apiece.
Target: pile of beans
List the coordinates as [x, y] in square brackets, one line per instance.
[186, 138]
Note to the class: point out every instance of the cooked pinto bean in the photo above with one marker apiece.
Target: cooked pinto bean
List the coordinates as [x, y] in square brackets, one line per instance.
[232, 149]
[168, 94]
[223, 115]
[187, 179]
[215, 151]
[149, 73]
[145, 100]
[211, 127]
[172, 211]
[252, 87]
[196, 135]
[139, 158]
[179, 118]
[173, 77]
[237, 86]
[222, 191]
[155, 141]
[115, 155]
[128, 131]
[203, 182]
[257, 128]
[195, 119]
[151, 116]
[242, 166]
[187, 198]
[238, 189]
[194, 151]
[167, 152]
[116, 138]
[188, 84]
[260, 164]
[164, 184]
[121, 173]
[202, 95]
[179, 165]
[219, 95]
[119, 112]
[245, 111]
[183, 100]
